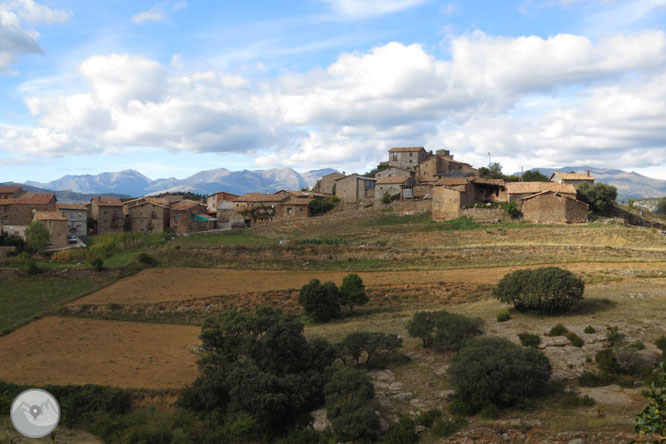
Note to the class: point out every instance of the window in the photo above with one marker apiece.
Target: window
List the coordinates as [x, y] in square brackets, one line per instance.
[50, 224]
[289, 211]
[395, 156]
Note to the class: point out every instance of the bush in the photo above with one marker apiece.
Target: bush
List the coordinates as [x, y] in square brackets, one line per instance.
[352, 291]
[98, 264]
[558, 330]
[589, 330]
[443, 427]
[607, 361]
[503, 316]
[650, 423]
[386, 198]
[37, 236]
[357, 345]
[572, 400]
[31, 266]
[347, 396]
[529, 340]
[321, 302]
[575, 340]
[600, 196]
[443, 331]
[322, 206]
[490, 411]
[591, 379]
[484, 372]
[147, 260]
[545, 290]
[427, 418]
[404, 432]
[630, 361]
[661, 345]
[613, 334]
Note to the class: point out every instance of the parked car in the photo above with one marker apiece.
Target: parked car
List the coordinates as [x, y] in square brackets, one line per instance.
[72, 239]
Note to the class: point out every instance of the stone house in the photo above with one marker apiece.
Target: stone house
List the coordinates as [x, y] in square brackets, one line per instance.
[220, 205]
[517, 191]
[10, 192]
[441, 164]
[148, 217]
[260, 207]
[394, 171]
[77, 218]
[407, 157]
[107, 212]
[391, 186]
[56, 223]
[326, 184]
[189, 216]
[452, 195]
[549, 207]
[574, 179]
[294, 208]
[17, 213]
[355, 188]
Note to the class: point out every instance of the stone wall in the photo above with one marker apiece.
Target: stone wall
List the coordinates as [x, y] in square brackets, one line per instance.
[551, 208]
[445, 203]
[412, 206]
[5, 250]
[485, 214]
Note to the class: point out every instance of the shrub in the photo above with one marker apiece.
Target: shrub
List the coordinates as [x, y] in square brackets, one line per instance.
[661, 344]
[352, 291]
[31, 266]
[589, 330]
[347, 396]
[650, 423]
[322, 206]
[427, 418]
[572, 400]
[529, 340]
[321, 302]
[575, 340]
[558, 330]
[503, 316]
[630, 361]
[386, 198]
[98, 264]
[484, 372]
[544, 290]
[591, 379]
[147, 260]
[446, 426]
[607, 361]
[600, 196]
[37, 236]
[371, 345]
[443, 331]
[613, 334]
[490, 411]
[403, 432]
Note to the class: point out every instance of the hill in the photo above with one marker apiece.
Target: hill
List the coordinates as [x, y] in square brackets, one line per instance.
[66, 196]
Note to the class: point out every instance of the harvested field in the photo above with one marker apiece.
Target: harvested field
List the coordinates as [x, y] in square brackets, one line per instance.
[182, 284]
[66, 351]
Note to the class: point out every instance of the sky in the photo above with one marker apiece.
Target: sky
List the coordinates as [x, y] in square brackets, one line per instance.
[173, 87]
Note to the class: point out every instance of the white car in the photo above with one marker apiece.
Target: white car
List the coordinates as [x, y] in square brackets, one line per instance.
[72, 239]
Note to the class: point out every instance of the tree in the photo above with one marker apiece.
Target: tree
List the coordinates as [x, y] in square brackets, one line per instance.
[37, 236]
[650, 424]
[534, 176]
[443, 331]
[352, 291]
[371, 345]
[321, 302]
[498, 372]
[259, 364]
[347, 396]
[545, 290]
[600, 196]
[661, 206]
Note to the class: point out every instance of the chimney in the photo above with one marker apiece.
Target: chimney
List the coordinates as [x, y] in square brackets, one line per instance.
[588, 172]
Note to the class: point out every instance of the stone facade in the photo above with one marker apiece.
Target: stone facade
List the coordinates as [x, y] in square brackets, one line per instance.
[411, 206]
[394, 172]
[108, 214]
[554, 208]
[436, 166]
[355, 188]
[517, 191]
[77, 218]
[492, 214]
[327, 183]
[10, 192]
[446, 203]
[56, 223]
[188, 216]
[575, 179]
[407, 157]
[220, 202]
[392, 186]
[148, 217]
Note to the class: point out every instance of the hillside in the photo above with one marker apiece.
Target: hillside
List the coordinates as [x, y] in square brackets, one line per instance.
[66, 196]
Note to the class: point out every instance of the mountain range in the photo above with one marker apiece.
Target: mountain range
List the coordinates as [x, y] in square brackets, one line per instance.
[133, 183]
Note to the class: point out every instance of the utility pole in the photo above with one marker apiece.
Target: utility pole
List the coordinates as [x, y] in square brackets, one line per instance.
[488, 160]
[521, 173]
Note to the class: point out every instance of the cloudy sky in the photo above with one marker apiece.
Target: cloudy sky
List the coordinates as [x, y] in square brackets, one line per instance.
[173, 87]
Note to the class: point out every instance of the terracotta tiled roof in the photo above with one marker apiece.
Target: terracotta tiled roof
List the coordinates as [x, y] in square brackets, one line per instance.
[48, 215]
[107, 201]
[498, 182]
[184, 205]
[9, 189]
[538, 187]
[572, 176]
[553, 192]
[34, 199]
[452, 181]
[223, 195]
[298, 201]
[336, 174]
[392, 180]
[357, 176]
[261, 197]
[406, 149]
[71, 207]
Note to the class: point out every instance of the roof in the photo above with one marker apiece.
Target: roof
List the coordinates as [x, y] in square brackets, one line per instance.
[224, 195]
[48, 215]
[150, 202]
[336, 174]
[451, 181]
[406, 149]
[498, 182]
[33, 199]
[298, 201]
[392, 180]
[71, 207]
[107, 201]
[572, 176]
[184, 205]
[538, 187]
[358, 176]
[261, 197]
[557, 194]
[9, 189]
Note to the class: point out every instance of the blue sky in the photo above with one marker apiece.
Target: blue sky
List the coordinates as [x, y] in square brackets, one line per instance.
[170, 88]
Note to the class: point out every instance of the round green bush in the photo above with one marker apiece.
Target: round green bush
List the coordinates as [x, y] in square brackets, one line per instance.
[497, 371]
[529, 340]
[607, 361]
[321, 302]
[558, 330]
[443, 331]
[545, 290]
[575, 340]
[589, 330]
[503, 316]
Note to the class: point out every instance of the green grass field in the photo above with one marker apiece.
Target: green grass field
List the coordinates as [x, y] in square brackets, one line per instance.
[243, 238]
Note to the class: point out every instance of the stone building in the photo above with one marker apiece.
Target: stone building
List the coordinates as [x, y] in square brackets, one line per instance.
[393, 171]
[452, 195]
[355, 188]
[56, 223]
[441, 164]
[550, 207]
[326, 184]
[107, 212]
[407, 157]
[574, 179]
[17, 213]
[77, 218]
[517, 191]
[148, 217]
[220, 205]
[10, 192]
[189, 216]
[394, 185]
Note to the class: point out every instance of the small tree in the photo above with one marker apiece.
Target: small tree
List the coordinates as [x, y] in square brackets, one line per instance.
[321, 302]
[37, 236]
[545, 290]
[371, 345]
[534, 176]
[352, 291]
[661, 206]
[347, 396]
[443, 331]
[600, 196]
[650, 424]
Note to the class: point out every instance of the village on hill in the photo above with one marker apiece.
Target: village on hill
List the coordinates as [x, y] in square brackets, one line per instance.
[412, 180]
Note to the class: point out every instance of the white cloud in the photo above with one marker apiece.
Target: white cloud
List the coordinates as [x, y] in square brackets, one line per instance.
[158, 12]
[360, 9]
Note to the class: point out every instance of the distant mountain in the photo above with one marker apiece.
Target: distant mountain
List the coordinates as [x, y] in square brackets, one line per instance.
[133, 183]
[66, 196]
[629, 185]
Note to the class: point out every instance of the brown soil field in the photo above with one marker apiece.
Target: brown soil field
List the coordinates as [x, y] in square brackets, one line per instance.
[74, 351]
[180, 284]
